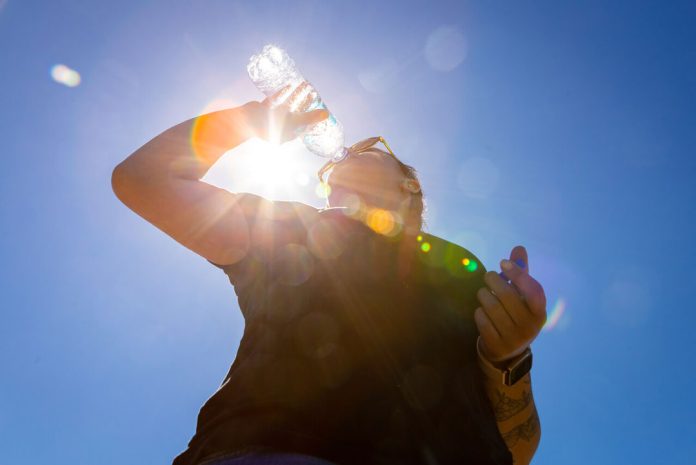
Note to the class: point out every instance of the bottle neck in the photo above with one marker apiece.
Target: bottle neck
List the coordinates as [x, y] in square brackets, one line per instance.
[340, 155]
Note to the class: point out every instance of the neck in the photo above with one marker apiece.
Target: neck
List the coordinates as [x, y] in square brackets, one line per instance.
[400, 208]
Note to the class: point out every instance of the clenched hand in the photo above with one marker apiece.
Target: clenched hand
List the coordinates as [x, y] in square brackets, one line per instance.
[511, 314]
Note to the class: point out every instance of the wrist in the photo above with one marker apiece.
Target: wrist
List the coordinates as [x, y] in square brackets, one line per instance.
[500, 370]
[499, 364]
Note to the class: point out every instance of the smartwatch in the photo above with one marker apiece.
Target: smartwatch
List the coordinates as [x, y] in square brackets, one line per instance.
[514, 369]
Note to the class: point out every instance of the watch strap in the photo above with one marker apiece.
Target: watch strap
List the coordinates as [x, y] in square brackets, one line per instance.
[514, 369]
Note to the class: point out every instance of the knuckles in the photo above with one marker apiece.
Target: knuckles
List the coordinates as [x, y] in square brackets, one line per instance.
[490, 276]
[482, 293]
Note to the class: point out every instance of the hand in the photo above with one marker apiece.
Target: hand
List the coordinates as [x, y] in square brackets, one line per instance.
[279, 124]
[511, 314]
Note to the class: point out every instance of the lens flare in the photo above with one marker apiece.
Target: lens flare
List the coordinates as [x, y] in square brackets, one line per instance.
[469, 264]
[446, 48]
[382, 221]
[380, 78]
[66, 76]
[322, 190]
[325, 240]
[425, 247]
[555, 315]
[209, 133]
[354, 207]
[295, 264]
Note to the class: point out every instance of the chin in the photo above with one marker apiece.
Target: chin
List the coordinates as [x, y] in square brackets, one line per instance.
[338, 197]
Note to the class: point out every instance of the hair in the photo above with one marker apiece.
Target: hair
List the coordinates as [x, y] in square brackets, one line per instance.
[416, 215]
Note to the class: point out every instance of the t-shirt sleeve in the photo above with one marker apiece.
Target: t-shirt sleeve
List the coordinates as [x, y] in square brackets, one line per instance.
[271, 225]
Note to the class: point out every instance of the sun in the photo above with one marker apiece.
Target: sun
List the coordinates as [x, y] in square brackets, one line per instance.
[277, 172]
[268, 165]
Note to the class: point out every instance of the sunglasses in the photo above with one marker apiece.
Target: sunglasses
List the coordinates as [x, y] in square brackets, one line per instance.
[354, 149]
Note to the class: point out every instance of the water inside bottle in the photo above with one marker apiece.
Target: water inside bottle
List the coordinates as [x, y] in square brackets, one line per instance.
[270, 71]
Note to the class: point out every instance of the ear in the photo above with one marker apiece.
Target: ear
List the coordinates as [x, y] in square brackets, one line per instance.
[410, 185]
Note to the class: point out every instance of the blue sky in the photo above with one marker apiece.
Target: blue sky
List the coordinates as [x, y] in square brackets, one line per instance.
[566, 127]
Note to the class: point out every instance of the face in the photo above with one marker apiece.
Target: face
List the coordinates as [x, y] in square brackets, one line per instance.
[373, 176]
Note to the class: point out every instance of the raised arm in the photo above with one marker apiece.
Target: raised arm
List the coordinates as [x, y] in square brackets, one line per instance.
[509, 319]
[161, 180]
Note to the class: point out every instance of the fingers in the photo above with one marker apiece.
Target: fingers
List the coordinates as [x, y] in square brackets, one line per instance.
[527, 286]
[519, 253]
[298, 96]
[511, 313]
[306, 103]
[486, 328]
[495, 327]
[278, 96]
[501, 335]
[526, 323]
[508, 296]
[287, 120]
[310, 117]
[496, 312]
[292, 124]
[519, 256]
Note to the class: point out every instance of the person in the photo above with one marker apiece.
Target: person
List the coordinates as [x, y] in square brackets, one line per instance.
[352, 353]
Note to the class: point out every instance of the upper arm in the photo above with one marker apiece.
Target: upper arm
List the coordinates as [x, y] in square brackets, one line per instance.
[214, 223]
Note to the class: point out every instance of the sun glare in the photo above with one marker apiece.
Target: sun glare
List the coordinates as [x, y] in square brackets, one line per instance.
[271, 167]
[277, 172]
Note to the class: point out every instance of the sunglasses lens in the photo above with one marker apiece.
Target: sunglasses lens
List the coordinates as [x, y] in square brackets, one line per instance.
[353, 150]
[364, 144]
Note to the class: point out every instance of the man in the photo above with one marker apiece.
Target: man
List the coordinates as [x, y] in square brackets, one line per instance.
[350, 352]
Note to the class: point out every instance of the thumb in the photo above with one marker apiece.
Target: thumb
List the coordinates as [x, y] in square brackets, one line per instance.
[519, 256]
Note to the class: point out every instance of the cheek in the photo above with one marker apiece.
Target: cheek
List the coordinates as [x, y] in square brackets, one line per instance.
[336, 194]
[340, 196]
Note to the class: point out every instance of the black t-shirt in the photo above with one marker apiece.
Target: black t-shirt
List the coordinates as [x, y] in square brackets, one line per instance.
[357, 347]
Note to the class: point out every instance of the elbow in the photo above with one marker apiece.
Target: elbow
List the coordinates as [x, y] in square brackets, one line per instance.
[118, 181]
[526, 438]
[533, 450]
[126, 183]
[533, 447]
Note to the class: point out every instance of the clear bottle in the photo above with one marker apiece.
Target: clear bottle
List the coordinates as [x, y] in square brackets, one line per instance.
[270, 71]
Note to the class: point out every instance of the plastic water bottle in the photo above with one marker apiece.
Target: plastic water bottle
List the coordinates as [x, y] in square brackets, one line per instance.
[270, 71]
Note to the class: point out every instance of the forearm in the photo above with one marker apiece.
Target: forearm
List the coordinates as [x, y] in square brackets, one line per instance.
[190, 148]
[515, 413]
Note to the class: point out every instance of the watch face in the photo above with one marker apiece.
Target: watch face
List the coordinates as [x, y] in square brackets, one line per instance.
[519, 370]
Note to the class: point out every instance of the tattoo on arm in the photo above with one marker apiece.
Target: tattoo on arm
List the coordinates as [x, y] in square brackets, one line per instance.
[526, 431]
[506, 407]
